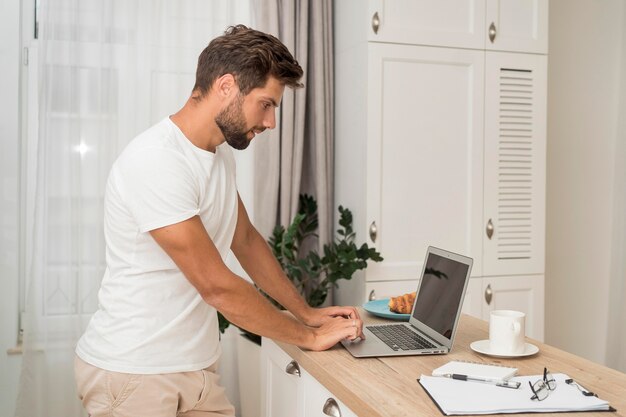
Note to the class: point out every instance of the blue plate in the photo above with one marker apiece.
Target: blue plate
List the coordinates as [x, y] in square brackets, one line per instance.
[380, 308]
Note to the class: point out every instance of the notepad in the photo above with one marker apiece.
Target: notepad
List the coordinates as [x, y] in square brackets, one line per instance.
[462, 397]
[491, 372]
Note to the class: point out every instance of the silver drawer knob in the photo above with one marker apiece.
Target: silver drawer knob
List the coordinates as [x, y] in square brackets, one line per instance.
[373, 231]
[492, 32]
[489, 229]
[375, 22]
[488, 294]
[293, 368]
[331, 408]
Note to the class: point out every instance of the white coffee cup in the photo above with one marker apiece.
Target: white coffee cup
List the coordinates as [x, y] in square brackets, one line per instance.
[507, 330]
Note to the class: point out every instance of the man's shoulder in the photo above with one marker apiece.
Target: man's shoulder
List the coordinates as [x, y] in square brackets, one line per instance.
[157, 141]
[160, 135]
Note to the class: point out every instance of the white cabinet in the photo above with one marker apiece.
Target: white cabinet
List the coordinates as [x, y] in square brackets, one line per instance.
[522, 293]
[500, 25]
[290, 391]
[517, 25]
[319, 402]
[473, 301]
[284, 390]
[440, 139]
[424, 155]
[515, 160]
[517, 292]
[459, 23]
[385, 289]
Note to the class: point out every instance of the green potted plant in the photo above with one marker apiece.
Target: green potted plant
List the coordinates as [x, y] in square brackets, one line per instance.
[312, 273]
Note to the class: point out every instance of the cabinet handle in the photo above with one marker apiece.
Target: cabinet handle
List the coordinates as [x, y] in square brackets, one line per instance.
[372, 296]
[373, 231]
[331, 408]
[293, 368]
[492, 32]
[489, 229]
[375, 22]
[488, 294]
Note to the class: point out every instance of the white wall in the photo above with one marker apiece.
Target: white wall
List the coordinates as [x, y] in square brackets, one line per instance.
[585, 48]
[616, 349]
[9, 201]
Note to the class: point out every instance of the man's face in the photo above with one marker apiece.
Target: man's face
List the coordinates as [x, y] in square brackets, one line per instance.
[246, 116]
[232, 123]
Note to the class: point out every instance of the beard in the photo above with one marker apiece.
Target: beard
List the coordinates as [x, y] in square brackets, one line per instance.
[232, 123]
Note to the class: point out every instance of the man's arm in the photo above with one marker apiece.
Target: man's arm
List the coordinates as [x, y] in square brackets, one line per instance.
[259, 262]
[193, 251]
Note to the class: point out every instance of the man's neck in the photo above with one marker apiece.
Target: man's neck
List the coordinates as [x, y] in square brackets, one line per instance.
[196, 119]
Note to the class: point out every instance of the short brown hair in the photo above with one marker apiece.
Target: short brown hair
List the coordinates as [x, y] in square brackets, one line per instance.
[251, 56]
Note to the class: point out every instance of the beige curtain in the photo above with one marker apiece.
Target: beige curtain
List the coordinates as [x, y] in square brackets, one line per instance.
[297, 156]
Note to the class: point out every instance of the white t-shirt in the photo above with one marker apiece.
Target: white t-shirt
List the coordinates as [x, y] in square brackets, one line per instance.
[150, 318]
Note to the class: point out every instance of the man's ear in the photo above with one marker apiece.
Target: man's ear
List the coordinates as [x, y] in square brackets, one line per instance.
[225, 86]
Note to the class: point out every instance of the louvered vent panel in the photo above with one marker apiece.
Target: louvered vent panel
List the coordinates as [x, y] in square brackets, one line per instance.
[515, 162]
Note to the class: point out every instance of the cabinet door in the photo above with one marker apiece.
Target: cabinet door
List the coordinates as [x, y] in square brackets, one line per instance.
[473, 302]
[517, 26]
[378, 290]
[515, 164]
[319, 402]
[284, 395]
[521, 293]
[455, 23]
[424, 155]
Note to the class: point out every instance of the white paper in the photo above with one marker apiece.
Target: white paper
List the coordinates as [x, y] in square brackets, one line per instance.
[465, 397]
[476, 370]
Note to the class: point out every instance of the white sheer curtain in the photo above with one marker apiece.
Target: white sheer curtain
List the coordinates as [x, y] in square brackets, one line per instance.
[106, 70]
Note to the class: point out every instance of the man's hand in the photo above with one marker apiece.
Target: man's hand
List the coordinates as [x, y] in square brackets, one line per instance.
[324, 325]
[317, 317]
[333, 330]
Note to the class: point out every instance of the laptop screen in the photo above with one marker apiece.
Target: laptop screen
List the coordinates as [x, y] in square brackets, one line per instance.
[440, 293]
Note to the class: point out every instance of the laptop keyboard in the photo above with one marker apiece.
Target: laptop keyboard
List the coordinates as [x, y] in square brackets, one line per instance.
[399, 337]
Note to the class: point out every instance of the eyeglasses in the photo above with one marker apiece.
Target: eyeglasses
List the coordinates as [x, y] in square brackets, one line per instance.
[541, 388]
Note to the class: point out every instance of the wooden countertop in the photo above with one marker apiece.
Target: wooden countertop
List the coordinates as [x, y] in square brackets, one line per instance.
[387, 387]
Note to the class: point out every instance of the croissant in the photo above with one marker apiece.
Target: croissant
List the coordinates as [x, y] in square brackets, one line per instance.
[402, 304]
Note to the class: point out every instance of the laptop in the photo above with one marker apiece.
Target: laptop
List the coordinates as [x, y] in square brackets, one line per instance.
[435, 315]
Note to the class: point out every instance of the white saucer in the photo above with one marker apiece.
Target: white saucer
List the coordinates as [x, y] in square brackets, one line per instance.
[482, 346]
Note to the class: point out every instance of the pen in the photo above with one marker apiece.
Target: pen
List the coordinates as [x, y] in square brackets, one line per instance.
[505, 384]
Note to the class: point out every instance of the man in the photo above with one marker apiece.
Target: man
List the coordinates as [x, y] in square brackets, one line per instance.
[172, 212]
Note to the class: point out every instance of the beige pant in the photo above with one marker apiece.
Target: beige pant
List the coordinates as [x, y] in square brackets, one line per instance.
[114, 394]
